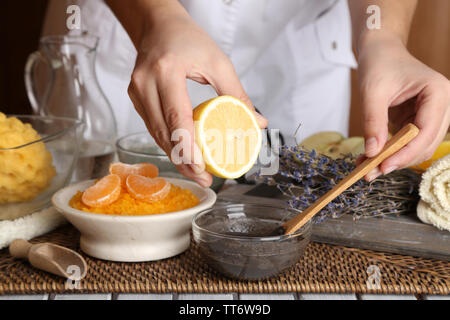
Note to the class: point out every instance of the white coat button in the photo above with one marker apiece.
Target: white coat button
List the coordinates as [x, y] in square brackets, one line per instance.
[334, 45]
[227, 2]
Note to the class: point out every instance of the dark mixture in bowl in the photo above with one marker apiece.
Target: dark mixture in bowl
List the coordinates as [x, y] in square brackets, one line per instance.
[233, 240]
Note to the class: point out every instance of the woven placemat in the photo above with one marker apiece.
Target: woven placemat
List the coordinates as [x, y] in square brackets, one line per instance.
[323, 269]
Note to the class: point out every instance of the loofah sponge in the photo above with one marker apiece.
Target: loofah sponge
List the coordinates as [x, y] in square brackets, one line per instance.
[27, 170]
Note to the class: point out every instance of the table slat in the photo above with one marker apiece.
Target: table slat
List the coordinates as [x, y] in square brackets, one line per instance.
[106, 296]
[437, 297]
[387, 297]
[25, 297]
[189, 296]
[249, 296]
[138, 296]
[327, 296]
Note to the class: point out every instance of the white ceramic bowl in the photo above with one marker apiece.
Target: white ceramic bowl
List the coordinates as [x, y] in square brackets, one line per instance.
[133, 238]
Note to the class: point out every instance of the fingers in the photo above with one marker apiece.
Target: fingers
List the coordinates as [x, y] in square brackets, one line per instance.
[262, 122]
[432, 117]
[432, 120]
[177, 111]
[360, 159]
[177, 108]
[372, 175]
[375, 120]
[158, 91]
[164, 110]
[226, 82]
[145, 98]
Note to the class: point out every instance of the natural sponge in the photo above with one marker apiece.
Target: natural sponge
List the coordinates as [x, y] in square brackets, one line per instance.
[25, 170]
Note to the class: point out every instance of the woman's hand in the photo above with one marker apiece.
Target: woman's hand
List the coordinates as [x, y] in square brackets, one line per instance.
[172, 48]
[397, 89]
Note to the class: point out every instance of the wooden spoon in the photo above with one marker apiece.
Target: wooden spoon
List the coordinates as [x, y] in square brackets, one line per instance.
[51, 258]
[402, 138]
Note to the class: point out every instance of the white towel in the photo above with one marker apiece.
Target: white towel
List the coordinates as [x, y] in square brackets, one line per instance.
[434, 207]
[31, 226]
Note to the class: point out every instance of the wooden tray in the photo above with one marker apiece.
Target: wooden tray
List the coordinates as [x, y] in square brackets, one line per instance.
[403, 234]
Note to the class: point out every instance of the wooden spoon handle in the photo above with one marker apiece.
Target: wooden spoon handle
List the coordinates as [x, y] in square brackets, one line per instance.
[402, 138]
[19, 248]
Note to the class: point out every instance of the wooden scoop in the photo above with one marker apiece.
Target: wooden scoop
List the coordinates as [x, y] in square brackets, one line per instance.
[51, 258]
[402, 138]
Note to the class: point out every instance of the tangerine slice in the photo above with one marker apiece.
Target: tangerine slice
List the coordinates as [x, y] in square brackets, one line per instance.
[147, 189]
[123, 170]
[104, 192]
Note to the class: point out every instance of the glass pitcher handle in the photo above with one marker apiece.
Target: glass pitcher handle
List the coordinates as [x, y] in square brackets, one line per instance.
[30, 85]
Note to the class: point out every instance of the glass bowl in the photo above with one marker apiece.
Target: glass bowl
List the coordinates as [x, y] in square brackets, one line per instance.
[141, 147]
[61, 138]
[231, 240]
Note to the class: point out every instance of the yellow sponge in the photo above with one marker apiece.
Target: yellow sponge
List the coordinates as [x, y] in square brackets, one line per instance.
[25, 171]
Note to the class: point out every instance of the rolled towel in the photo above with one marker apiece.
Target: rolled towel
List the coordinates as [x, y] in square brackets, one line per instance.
[427, 215]
[434, 207]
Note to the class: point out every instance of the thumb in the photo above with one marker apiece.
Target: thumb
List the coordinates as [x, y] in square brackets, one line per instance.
[375, 122]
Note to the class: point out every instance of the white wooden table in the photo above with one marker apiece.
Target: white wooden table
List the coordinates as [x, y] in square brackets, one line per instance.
[233, 296]
[236, 189]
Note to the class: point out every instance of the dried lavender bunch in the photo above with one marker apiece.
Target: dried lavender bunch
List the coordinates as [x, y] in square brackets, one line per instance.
[305, 176]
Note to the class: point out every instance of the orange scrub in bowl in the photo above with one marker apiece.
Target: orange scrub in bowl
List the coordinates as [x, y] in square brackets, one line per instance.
[138, 195]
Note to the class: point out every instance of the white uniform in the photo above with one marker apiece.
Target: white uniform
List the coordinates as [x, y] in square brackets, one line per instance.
[292, 56]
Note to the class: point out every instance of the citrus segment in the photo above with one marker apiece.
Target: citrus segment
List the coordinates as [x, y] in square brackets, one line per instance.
[228, 135]
[104, 192]
[147, 189]
[123, 170]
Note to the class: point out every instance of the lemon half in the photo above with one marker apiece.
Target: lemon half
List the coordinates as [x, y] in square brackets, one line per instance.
[228, 135]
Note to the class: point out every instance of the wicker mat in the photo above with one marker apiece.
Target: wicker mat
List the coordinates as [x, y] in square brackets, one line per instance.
[324, 269]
